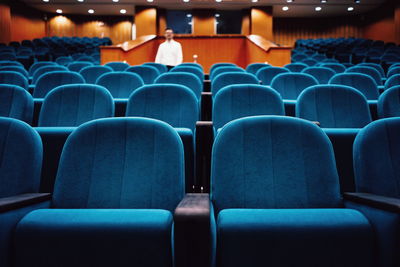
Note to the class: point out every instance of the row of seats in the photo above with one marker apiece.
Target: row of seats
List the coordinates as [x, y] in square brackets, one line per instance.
[119, 197]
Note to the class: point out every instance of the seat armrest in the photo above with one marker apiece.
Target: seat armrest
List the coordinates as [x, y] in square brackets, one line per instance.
[192, 231]
[23, 200]
[375, 201]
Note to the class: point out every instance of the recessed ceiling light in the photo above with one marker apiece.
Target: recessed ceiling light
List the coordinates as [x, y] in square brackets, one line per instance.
[115, 1]
[45, 0]
[81, 0]
[217, 15]
[285, 8]
[318, 8]
[122, 11]
[149, 1]
[59, 11]
[90, 11]
[189, 15]
[219, 1]
[254, 1]
[290, 1]
[350, 8]
[357, 1]
[186, 1]
[324, 1]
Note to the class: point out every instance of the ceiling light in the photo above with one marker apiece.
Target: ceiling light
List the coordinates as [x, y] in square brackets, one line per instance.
[45, 0]
[186, 1]
[218, 1]
[115, 1]
[285, 8]
[189, 15]
[350, 8]
[59, 11]
[80, 0]
[122, 11]
[318, 8]
[217, 15]
[90, 11]
[150, 1]
[254, 1]
[324, 1]
[290, 1]
[357, 1]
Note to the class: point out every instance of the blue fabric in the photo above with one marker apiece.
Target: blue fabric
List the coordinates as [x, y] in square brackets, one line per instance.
[191, 64]
[377, 158]
[100, 237]
[20, 158]
[120, 84]
[71, 105]
[183, 78]
[322, 74]
[145, 169]
[194, 70]
[389, 103]
[64, 60]
[237, 101]
[160, 67]
[334, 106]
[370, 71]
[393, 71]
[92, 73]
[46, 69]
[337, 67]
[77, 66]
[51, 80]
[376, 66]
[273, 162]
[16, 102]
[38, 65]
[18, 69]
[8, 222]
[220, 70]
[13, 78]
[290, 85]
[266, 74]
[296, 67]
[118, 66]
[147, 73]
[172, 103]
[254, 67]
[229, 78]
[394, 80]
[310, 62]
[294, 237]
[221, 64]
[362, 82]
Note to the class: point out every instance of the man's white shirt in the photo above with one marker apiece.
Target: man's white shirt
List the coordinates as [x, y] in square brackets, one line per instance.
[169, 53]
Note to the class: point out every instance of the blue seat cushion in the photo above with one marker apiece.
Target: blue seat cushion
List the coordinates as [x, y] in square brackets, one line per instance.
[95, 237]
[294, 237]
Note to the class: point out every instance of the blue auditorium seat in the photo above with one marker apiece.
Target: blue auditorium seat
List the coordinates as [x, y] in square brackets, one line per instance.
[20, 179]
[221, 64]
[370, 71]
[337, 67]
[229, 78]
[393, 71]
[188, 68]
[362, 82]
[322, 74]
[118, 66]
[276, 199]
[389, 103]
[376, 66]
[184, 78]
[64, 61]
[161, 68]
[310, 62]
[74, 104]
[238, 101]
[146, 72]
[16, 102]
[296, 67]
[92, 73]
[51, 80]
[18, 69]
[120, 84]
[265, 75]
[78, 65]
[118, 183]
[13, 78]
[334, 106]
[10, 63]
[394, 80]
[254, 67]
[290, 85]
[38, 65]
[224, 69]
[191, 64]
[46, 69]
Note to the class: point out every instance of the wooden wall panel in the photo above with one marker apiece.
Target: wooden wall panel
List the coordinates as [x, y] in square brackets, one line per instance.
[246, 22]
[262, 22]
[32, 27]
[61, 26]
[203, 22]
[380, 24]
[397, 23]
[146, 21]
[5, 23]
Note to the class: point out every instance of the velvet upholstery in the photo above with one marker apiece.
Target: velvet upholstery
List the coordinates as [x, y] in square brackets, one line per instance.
[172, 103]
[18, 69]
[362, 82]
[237, 101]
[389, 103]
[223, 69]
[394, 80]
[376, 66]
[296, 67]
[46, 69]
[51, 80]
[183, 78]
[337, 67]
[229, 78]
[190, 69]
[38, 65]
[13, 78]
[160, 67]
[21, 158]
[118, 66]
[92, 73]
[266, 74]
[370, 71]
[146, 72]
[120, 84]
[254, 67]
[221, 64]
[290, 85]
[16, 102]
[191, 64]
[322, 74]
[71, 105]
[77, 66]
[393, 71]
[334, 106]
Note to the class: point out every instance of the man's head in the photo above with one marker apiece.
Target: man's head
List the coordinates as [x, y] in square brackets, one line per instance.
[169, 34]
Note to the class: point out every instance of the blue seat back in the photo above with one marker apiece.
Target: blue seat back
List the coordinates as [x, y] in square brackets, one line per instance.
[120, 84]
[322, 74]
[224, 69]
[370, 71]
[146, 72]
[266, 74]
[13, 78]
[16, 102]
[389, 103]
[296, 67]
[362, 82]
[337, 67]
[118, 66]
[290, 85]
[78, 65]
[254, 67]
[92, 73]
[190, 69]
[46, 69]
[161, 68]
[184, 78]
[394, 80]
[229, 78]
[51, 80]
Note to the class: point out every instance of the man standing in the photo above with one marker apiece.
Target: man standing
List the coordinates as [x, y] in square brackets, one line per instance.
[170, 52]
